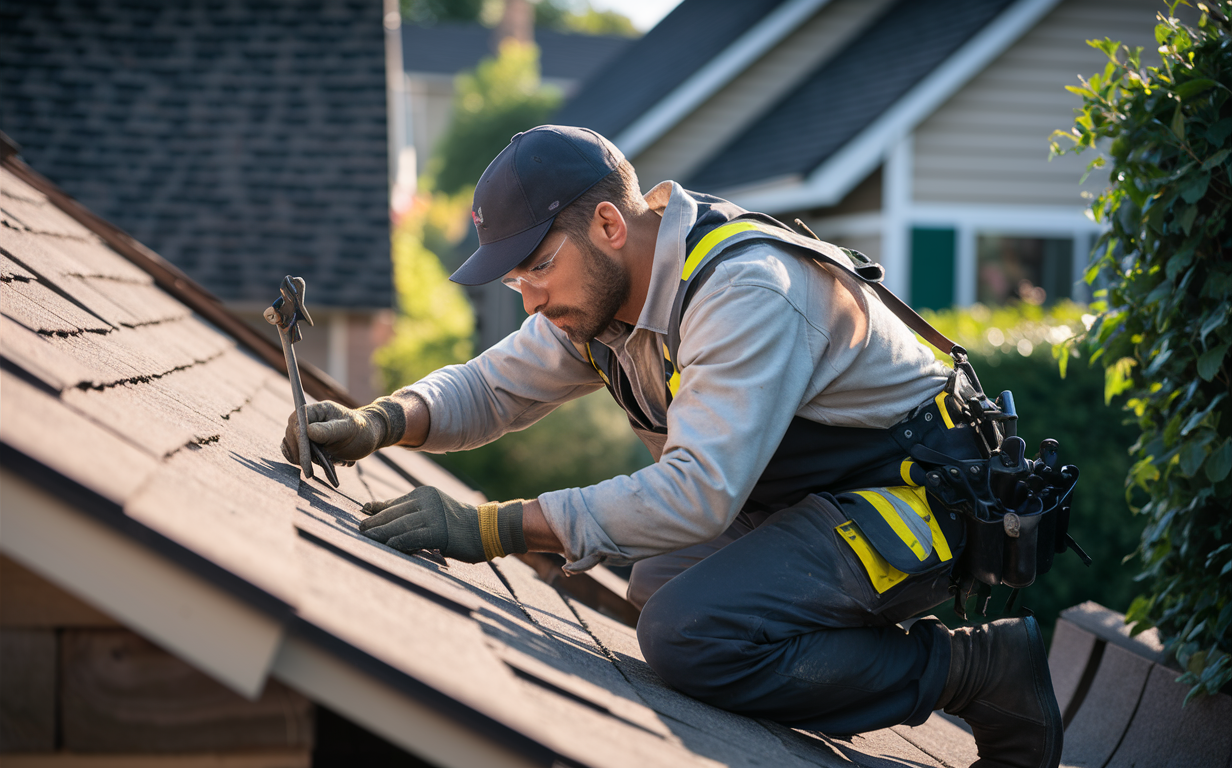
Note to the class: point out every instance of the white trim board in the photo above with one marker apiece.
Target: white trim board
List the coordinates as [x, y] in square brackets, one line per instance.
[1004, 219]
[217, 633]
[833, 179]
[411, 724]
[720, 71]
[1001, 219]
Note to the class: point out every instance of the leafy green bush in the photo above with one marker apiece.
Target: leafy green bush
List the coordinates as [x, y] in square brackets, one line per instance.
[500, 98]
[579, 444]
[435, 322]
[1162, 334]
[1012, 348]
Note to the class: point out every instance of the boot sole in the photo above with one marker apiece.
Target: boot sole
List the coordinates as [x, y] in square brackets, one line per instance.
[1043, 689]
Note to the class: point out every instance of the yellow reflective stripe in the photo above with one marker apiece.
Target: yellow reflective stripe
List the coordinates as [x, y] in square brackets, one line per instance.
[917, 499]
[890, 515]
[904, 470]
[880, 573]
[673, 383]
[595, 365]
[708, 243]
[945, 413]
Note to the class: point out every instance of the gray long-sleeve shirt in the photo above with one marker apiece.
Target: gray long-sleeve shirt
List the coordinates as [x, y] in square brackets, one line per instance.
[768, 337]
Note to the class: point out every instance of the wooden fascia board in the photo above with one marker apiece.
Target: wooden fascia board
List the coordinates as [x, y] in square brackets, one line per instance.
[718, 72]
[830, 182]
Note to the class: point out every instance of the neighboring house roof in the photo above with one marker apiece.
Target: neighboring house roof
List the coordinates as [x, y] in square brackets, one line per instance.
[141, 472]
[243, 141]
[829, 131]
[695, 32]
[848, 91]
[447, 49]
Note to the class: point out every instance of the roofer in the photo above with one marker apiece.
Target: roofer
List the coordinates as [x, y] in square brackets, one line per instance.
[782, 533]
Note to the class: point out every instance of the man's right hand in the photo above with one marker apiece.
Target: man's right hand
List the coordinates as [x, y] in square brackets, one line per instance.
[347, 434]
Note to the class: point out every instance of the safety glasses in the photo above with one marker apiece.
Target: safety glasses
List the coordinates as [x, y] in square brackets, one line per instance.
[536, 275]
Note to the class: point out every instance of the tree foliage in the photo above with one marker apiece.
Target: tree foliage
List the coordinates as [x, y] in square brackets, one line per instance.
[559, 15]
[1162, 334]
[581, 17]
[435, 322]
[501, 97]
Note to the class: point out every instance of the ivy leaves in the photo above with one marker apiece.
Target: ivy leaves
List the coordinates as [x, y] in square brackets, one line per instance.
[1163, 333]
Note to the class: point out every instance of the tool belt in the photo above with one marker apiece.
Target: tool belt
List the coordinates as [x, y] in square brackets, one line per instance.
[953, 477]
[1015, 509]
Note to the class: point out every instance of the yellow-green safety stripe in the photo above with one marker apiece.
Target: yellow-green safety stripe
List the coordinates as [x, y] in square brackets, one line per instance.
[891, 516]
[945, 412]
[880, 573]
[917, 499]
[673, 383]
[707, 244]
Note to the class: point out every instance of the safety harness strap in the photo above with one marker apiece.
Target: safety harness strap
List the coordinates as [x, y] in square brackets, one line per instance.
[716, 246]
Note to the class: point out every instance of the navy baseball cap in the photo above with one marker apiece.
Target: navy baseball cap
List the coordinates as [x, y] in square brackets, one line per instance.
[530, 181]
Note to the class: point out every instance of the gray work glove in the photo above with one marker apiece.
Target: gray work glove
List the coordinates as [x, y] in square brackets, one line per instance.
[426, 518]
[346, 434]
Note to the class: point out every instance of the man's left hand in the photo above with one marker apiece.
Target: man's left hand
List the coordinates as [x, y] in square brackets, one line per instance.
[427, 518]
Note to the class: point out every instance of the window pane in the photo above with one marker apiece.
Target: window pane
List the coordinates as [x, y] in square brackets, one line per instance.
[1035, 270]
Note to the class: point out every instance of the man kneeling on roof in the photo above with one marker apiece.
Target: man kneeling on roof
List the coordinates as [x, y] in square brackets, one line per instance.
[779, 397]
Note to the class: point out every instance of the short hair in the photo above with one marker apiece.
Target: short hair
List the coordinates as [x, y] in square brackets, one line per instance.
[620, 188]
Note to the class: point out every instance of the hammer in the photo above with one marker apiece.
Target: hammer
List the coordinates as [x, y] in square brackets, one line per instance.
[285, 313]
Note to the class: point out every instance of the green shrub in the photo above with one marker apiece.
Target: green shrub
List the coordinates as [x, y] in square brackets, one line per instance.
[581, 443]
[435, 322]
[1162, 334]
[1012, 348]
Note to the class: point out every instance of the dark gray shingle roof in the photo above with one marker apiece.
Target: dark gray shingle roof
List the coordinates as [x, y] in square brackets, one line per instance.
[684, 41]
[446, 49]
[241, 140]
[142, 417]
[848, 92]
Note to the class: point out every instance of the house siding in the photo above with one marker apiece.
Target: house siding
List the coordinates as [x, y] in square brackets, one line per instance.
[989, 142]
[699, 136]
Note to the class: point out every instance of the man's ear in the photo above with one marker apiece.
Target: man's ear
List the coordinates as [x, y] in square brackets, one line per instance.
[608, 226]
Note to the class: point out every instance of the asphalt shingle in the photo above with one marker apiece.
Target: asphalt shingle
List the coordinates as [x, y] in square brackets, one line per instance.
[643, 73]
[847, 92]
[241, 141]
[179, 429]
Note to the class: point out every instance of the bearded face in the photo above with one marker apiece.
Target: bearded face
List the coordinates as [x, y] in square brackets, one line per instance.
[606, 286]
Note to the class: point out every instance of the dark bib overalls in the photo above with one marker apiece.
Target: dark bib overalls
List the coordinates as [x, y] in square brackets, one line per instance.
[791, 615]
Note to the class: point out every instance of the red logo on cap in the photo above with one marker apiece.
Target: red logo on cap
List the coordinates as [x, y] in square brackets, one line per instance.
[477, 217]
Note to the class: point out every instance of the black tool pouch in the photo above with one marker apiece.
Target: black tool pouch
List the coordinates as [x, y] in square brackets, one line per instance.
[1015, 509]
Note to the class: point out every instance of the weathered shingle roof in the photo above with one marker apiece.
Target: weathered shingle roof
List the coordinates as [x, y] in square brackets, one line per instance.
[847, 92]
[446, 49]
[684, 41]
[153, 425]
[242, 140]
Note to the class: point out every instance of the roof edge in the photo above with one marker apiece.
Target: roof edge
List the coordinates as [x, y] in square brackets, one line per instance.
[830, 182]
[174, 281]
[718, 72]
[121, 570]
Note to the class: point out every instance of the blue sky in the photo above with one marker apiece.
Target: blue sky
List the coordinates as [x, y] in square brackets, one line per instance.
[643, 13]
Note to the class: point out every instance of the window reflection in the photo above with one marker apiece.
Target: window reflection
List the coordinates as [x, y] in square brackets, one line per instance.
[1033, 270]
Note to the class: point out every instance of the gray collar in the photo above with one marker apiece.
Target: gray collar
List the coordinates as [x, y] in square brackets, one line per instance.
[679, 212]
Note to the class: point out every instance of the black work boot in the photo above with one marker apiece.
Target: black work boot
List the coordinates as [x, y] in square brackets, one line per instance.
[1000, 684]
